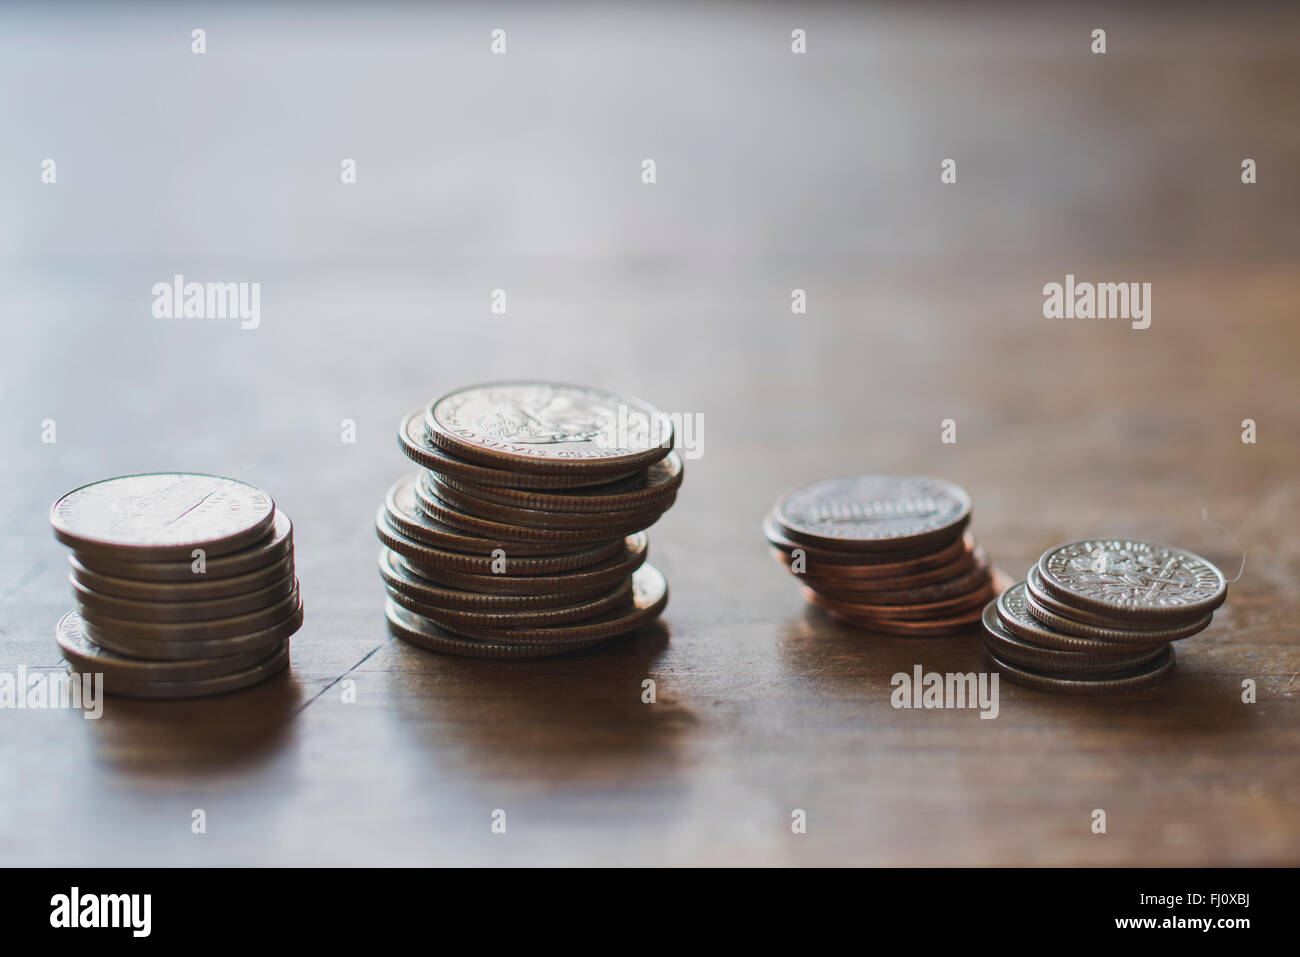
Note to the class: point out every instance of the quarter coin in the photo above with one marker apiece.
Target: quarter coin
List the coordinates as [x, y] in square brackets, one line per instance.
[603, 575]
[455, 619]
[198, 588]
[534, 518]
[165, 649]
[420, 555]
[271, 548]
[404, 514]
[401, 577]
[189, 630]
[267, 668]
[88, 657]
[649, 597]
[441, 511]
[549, 428]
[162, 516]
[134, 611]
[420, 631]
[652, 487]
[417, 630]
[414, 440]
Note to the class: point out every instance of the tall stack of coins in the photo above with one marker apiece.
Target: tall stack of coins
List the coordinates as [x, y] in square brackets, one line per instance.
[524, 533]
[887, 553]
[1098, 616]
[184, 584]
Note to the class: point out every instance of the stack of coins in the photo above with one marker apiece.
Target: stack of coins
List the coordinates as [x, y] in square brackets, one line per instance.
[1098, 616]
[523, 535]
[184, 584]
[887, 553]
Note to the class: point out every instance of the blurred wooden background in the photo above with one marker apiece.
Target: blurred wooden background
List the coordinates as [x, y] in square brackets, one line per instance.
[775, 172]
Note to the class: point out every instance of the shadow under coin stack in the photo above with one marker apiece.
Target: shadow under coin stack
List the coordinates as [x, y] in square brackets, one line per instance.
[184, 584]
[523, 536]
[1098, 616]
[886, 553]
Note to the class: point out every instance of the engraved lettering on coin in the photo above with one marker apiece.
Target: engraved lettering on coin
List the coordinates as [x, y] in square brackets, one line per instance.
[1132, 578]
[869, 512]
[162, 515]
[548, 423]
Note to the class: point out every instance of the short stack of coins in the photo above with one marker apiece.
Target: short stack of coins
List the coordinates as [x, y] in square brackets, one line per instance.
[184, 584]
[524, 533]
[891, 554]
[1098, 616]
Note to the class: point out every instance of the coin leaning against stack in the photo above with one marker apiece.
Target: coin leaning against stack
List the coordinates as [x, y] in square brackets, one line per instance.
[523, 535]
[891, 554]
[184, 584]
[1098, 616]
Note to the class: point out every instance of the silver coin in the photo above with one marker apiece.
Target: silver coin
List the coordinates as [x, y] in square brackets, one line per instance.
[1007, 645]
[413, 437]
[1036, 597]
[200, 588]
[133, 610]
[274, 546]
[549, 427]
[417, 630]
[454, 619]
[1139, 677]
[189, 630]
[874, 513]
[190, 649]
[649, 598]
[420, 631]
[1104, 633]
[1131, 580]
[402, 577]
[404, 514]
[602, 575]
[650, 487]
[421, 555]
[1020, 619]
[268, 667]
[433, 506]
[162, 516]
[471, 504]
[89, 657]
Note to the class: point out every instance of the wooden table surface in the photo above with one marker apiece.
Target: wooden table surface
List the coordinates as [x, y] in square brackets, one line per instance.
[775, 171]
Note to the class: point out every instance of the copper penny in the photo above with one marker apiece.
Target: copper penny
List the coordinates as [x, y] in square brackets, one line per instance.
[874, 512]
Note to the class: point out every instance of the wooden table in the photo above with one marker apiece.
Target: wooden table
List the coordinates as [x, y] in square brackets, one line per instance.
[774, 172]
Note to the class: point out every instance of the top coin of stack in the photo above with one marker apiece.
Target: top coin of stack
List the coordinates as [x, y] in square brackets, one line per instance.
[1097, 616]
[887, 553]
[524, 533]
[184, 584]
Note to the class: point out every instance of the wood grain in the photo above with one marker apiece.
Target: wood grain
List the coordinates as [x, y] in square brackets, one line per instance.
[775, 172]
